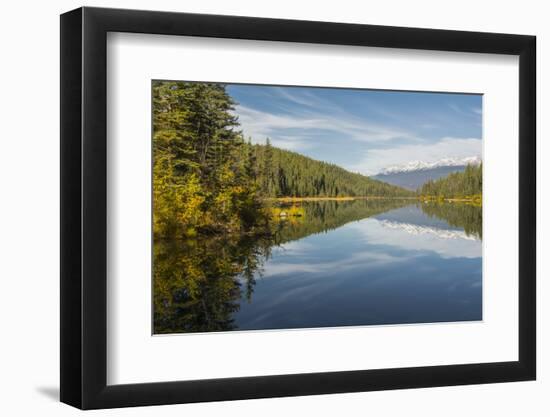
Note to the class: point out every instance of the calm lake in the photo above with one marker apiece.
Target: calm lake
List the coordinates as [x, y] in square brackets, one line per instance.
[337, 263]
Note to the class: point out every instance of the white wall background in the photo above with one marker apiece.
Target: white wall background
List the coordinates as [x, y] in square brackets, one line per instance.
[29, 211]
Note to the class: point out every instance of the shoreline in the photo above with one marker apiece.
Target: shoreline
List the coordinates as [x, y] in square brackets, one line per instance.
[299, 199]
[475, 200]
[349, 198]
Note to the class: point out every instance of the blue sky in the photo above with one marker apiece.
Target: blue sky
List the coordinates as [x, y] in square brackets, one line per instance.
[361, 130]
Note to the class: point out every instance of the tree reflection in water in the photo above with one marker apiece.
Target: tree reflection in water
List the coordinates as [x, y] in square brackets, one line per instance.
[465, 216]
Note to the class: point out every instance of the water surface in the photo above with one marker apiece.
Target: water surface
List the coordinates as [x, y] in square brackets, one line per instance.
[341, 263]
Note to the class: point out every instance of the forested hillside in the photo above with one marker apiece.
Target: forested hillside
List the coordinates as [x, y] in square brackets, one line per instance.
[207, 179]
[282, 173]
[467, 184]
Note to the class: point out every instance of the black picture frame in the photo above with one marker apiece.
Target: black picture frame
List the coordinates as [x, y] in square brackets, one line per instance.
[84, 207]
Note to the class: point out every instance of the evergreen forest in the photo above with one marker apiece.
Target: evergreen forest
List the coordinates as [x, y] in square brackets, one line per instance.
[458, 185]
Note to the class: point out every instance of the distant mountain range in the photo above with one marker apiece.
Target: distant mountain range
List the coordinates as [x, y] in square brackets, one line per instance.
[413, 174]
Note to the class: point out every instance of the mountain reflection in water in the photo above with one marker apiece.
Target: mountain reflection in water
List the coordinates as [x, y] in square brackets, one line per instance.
[340, 263]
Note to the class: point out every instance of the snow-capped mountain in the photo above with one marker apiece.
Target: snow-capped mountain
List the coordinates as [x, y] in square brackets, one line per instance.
[420, 165]
[415, 173]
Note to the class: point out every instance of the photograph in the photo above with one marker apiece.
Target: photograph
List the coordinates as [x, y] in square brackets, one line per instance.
[294, 207]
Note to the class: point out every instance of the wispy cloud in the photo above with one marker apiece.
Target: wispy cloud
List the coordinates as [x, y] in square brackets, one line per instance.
[455, 108]
[468, 112]
[292, 143]
[304, 98]
[293, 131]
[374, 160]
